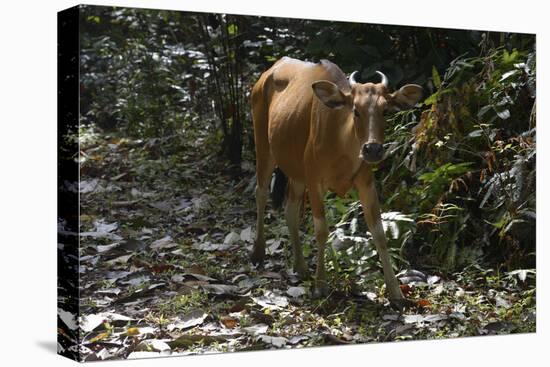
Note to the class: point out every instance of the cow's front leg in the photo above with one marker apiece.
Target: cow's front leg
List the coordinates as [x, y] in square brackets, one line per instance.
[371, 210]
[321, 235]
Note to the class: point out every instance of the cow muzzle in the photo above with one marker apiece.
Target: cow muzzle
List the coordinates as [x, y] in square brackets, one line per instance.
[372, 152]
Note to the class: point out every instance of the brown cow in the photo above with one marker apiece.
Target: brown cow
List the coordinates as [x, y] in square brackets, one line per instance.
[324, 132]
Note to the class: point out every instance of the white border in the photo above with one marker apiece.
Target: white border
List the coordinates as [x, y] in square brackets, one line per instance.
[28, 180]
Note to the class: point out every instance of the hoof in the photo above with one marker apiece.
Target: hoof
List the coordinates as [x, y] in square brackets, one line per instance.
[321, 290]
[400, 303]
[302, 272]
[257, 258]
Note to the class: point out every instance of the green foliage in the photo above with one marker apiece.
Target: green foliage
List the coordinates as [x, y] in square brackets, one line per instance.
[182, 303]
[462, 165]
[458, 186]
[437, 182]
[469, 164]
[436, 78]
[132, 75]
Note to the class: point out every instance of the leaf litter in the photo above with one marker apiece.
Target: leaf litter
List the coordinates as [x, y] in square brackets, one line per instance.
[168, 273]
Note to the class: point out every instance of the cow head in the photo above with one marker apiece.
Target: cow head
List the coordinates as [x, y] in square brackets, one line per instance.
[366, 104]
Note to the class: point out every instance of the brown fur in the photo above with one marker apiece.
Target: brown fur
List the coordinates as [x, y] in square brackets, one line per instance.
[304, 123]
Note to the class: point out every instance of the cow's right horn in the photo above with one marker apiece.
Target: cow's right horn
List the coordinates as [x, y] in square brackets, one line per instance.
[384, 80]
[352, 80]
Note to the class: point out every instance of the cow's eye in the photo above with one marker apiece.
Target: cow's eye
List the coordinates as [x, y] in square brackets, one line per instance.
[355, 112]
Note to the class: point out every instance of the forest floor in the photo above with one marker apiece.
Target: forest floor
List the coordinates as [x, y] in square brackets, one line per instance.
[165, 237]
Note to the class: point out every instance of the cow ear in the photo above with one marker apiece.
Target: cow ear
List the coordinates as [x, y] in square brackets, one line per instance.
[406, 97]
[329, 94]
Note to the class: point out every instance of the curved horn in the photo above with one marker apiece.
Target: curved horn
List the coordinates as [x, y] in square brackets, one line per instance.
[352, 80]
[384, 78]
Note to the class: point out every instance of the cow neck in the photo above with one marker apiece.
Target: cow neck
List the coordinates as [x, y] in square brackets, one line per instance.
[357, 171]
[350, 131]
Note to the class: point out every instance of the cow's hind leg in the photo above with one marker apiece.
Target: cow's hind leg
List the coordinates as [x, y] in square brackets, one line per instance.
[292, 214]
[264, 169]
[264, 165]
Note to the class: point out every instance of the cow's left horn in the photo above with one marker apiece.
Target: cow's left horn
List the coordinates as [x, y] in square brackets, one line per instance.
[384, 78]
[352, 80]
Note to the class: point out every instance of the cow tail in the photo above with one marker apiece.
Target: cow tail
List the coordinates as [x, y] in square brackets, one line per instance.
[278, 190]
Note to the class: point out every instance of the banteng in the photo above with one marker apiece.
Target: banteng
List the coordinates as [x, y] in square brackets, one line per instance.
[324, 132]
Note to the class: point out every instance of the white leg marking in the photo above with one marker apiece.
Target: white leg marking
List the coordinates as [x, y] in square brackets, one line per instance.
[320, 225]
[378, 231]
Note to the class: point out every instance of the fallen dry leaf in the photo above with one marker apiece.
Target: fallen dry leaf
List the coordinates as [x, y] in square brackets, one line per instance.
[229, 322]
[406, 289]
[132, 331]
[423, 303]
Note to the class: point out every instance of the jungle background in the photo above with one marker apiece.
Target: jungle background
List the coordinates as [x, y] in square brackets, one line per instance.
[167, 188]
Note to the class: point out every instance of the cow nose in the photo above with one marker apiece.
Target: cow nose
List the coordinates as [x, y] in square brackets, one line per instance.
[373, 152]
